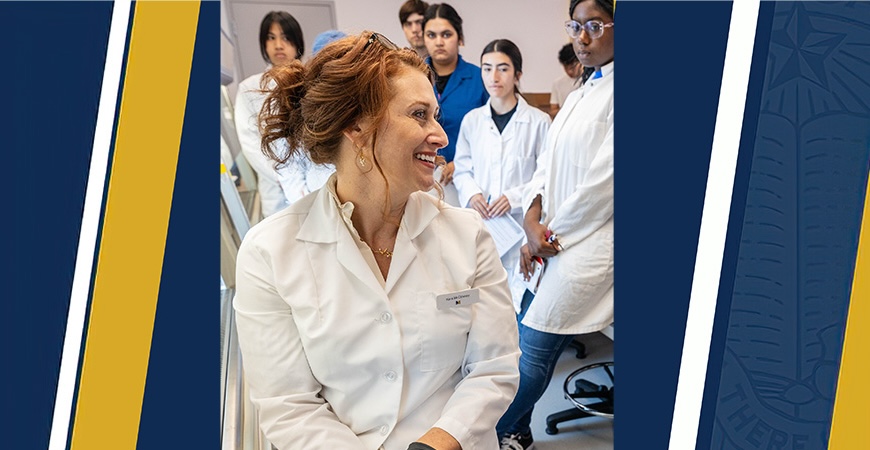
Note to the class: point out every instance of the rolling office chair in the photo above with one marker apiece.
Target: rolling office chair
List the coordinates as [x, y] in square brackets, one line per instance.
[588, 398]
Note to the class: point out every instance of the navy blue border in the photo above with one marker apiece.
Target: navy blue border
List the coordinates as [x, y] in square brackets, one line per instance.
[181, 407]
[666, 93]
[735, 223]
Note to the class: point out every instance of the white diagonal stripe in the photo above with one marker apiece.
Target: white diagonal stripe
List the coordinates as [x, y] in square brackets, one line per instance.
[66, 382]
[714, 225]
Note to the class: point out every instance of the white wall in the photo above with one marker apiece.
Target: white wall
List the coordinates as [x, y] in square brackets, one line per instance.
[536, 26]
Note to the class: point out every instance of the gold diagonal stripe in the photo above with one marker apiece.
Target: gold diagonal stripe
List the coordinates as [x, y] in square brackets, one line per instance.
[852, 403]
[138, 203]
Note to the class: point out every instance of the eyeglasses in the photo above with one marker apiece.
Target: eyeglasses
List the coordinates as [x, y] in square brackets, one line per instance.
[388, 44]
[594, 28]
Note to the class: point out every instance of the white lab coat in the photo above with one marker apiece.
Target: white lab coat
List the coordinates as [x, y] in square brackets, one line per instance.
[337, 357]
[289, 182]
[492, 163]
[247, 108]
[575, 180]
[300, 177]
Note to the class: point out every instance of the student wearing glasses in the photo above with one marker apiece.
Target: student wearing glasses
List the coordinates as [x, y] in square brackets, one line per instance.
[458, 86]
[280, 43]
[569, 221]
[370, 314]
[411, 17]
[499, 143]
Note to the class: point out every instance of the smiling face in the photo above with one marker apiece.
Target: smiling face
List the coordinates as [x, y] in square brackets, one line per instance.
[499, 76]
[278, 46]
[409, 136]
[593, 52]
[442, 41]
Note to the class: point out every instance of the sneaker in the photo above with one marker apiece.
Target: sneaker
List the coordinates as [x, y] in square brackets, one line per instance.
[517, 442]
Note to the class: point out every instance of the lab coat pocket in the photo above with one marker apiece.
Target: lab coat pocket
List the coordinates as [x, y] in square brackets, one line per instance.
[589, 262]
[443, 333]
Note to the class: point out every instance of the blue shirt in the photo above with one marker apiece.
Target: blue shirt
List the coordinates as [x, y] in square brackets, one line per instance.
[463, 93]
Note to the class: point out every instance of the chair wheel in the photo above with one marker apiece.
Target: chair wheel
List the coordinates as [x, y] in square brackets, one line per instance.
[551, 430]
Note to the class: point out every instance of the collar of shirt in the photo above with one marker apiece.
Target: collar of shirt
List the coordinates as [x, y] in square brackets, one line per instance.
[345, 209]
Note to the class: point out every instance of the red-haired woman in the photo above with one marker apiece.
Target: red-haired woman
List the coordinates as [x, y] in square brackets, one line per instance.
[370, 314]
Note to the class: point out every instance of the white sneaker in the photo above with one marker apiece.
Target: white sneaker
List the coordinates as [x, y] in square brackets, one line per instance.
[517, 442]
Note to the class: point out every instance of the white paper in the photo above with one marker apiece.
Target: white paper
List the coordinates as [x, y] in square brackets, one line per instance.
[532, 283]
[505, 231]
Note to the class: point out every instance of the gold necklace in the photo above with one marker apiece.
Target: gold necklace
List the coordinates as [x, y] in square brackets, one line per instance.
[384, 252]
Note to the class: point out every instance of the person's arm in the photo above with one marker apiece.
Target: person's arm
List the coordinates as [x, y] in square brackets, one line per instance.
[463, 176]
[591, 204]
[291, 411]
[439, 439]
[490, 374]
[536, 232]
[532, 205]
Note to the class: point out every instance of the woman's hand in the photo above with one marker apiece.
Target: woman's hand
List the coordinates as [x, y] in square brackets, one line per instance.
[527, 265]
[499, 207]
[439, 440]
[447, 173]
[478, 204]
[536, 234]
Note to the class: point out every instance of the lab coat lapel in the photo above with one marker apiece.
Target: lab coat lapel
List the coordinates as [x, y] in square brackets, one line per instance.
[520, 116]
[419, 213]
[351, 259]
[324, 225]
[559, 121]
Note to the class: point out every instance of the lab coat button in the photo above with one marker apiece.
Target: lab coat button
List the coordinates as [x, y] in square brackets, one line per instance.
[386, 317]
[390, 376]
[385, 429]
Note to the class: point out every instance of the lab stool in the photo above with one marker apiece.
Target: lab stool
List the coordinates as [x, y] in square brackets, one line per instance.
[589, 399]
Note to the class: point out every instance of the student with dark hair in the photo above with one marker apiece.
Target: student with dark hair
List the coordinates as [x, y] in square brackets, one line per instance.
[499, 144]
[565, 84]
[458, 86]
[569, 221]
[371, 315]
[411, 17]
[280, 43]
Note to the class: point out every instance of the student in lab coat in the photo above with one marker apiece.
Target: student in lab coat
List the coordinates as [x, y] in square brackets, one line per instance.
[280, 43]
[569, 221]
[499, 143]
[458, 86]
[370, 314]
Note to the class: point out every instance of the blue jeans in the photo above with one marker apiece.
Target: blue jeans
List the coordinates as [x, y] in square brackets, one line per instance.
[540, 353]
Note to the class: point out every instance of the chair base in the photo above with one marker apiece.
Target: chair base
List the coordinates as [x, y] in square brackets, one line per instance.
[577, 389]
[579, 347]
[564, 416]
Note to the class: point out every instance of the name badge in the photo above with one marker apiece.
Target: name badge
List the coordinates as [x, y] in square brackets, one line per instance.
[457, 299]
